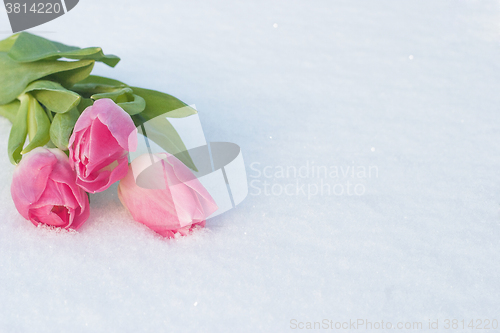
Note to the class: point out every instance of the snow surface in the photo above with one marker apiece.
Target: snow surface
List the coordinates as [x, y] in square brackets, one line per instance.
[410, 87]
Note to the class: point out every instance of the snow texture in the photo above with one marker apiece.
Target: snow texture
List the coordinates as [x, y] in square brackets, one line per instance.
[409, 88]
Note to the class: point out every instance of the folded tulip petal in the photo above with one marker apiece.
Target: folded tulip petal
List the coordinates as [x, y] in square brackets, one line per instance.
[34, 170]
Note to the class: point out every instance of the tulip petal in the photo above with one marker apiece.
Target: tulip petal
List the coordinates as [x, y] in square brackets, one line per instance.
[46, 215]
[44, 190]
[177, 207]
[112, 116]
[33, 171]
[98, 148]
[104, 178]
[184, 175]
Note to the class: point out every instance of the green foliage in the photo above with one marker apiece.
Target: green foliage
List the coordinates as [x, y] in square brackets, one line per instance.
[15, 77]
[62, 127]
[9, 111]
[43, 96]
[125, 98]
[53, 96]
[158, 103]
[30, 48]
[38, 126]
[19, 130]
[31, 120]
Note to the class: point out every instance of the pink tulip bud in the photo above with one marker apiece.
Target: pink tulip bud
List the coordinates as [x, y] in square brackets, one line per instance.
[98, 147]
[170, 198]
[44, 190]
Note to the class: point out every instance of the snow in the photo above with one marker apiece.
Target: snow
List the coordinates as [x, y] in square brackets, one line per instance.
[409, 87]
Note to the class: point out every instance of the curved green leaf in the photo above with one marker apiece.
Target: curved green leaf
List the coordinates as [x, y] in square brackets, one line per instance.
[61, 128]
[9, 111]
[117, 95]
[161, 131]
[85, 103]
[15, 77]
[7, 43]
[135, 106]
[38, 126]
[53, 96]
[29, 48]
[70, 77]
[125, 98]
[94, 84]
[158, 103]
[19, 130]
[102, 81]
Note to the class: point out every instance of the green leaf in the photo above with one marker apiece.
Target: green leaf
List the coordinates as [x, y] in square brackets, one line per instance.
[125, 98]
[149, 121]
[94, 84]
[158, 103]
[85, 103]
[136, 105]
[53, 96]
[30, 48]
[19, 130]
[7, 43]
[119, 94]
[15, 77]
[38, 126]
[9, 111]
[70, 77]
[61, 128]
[102, 81]
[30, 120]
[161, 131]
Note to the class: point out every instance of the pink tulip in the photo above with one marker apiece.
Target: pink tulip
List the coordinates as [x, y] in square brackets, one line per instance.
[170, 198]
[98, 147]
[44, 190]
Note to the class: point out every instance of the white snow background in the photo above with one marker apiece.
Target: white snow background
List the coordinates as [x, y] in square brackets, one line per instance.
[411, 87]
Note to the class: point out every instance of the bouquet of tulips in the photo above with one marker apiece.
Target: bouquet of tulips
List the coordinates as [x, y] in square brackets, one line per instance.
[72, 132]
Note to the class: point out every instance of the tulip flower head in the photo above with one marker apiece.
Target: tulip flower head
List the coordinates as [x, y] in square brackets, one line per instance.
[44, 190]
[167, 198]
[98, 147]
